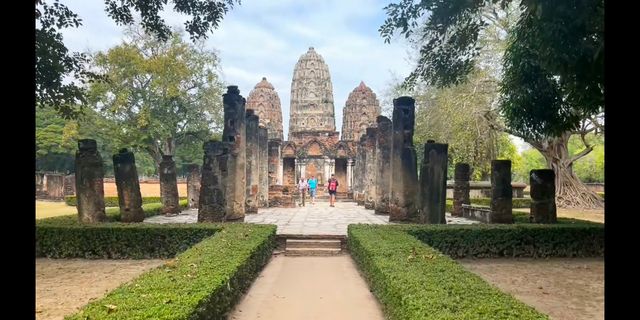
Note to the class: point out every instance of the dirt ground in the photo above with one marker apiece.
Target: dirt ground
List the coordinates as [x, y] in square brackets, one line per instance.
[565, 289]
[582, 214]
[309, 288]
[63, 286]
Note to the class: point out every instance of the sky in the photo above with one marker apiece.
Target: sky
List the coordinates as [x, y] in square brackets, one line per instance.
[262, 38]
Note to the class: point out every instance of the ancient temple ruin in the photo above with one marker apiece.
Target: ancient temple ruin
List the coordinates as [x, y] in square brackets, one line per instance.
[264, 101]
[313, 146]
[360, 111]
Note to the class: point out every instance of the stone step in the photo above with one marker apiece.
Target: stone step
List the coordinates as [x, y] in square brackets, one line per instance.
[313, 243]
[312, 251]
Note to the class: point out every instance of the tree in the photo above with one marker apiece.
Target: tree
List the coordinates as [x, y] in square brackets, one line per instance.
[455, 116]
[55, 141]
[552, 85]
[160, 97]
[591, 167]
[530, 159]
[54, 63]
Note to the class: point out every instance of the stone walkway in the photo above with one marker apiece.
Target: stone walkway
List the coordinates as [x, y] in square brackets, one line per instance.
[318, 219]
[293, 288]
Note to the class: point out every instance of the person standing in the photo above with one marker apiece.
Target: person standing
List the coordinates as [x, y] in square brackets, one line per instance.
[302, 187]
[313, 184]
[332, 185]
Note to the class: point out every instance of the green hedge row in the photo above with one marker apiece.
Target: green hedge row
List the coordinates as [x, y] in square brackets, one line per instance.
[517, 240]
[414, 281]
[204, 282]
[113, 201]
[65, 237]
[118, 240]
[516, 202]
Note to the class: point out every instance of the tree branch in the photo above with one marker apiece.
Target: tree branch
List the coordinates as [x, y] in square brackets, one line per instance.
[582, 153]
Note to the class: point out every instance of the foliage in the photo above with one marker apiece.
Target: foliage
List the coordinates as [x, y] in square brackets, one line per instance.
[552, 77]
[414, 281]
[55, 64]
[558, 48]
[455, 116]
[56, 141]
[518, 240]
[554, 68]
[61, 76]
[206, 14]
[204, 282]
[589, 168]
[161, 97]
[118, 240]
[530, 159]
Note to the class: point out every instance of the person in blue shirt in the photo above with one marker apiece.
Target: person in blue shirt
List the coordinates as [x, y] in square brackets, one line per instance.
[313, 184]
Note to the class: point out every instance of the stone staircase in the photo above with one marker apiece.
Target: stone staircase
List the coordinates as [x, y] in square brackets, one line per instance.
[312, 245]
[323, 196]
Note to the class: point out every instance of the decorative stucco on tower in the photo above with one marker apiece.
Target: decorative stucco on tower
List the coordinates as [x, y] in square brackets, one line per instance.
[264, 100]
[312, 106]
[360, 111]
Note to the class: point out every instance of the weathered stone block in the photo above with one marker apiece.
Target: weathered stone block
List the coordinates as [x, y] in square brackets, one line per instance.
[89, 182]
[129, 196]
[461, 188]
[543, 196]
[433, 183]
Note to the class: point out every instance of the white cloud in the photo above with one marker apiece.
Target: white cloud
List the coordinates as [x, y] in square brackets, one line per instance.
[265, 39]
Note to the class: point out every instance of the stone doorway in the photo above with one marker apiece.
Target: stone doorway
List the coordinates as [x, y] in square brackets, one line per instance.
[312, 170]
[341, 174]
[289, 171]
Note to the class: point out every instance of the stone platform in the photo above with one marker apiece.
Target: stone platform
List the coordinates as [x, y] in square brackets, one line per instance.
[318, 219]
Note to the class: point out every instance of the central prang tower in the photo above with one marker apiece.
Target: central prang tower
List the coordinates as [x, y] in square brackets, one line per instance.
[312, 111]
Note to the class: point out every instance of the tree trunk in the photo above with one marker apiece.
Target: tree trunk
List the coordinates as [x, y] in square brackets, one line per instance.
[570, 191]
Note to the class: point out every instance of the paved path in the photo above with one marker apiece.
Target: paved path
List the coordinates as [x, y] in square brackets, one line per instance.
[318, 219]
[308, 288]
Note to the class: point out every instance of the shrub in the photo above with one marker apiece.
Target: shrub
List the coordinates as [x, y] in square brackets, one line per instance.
[204, 282]
[65, 237]
[414, 281]
[519, 240]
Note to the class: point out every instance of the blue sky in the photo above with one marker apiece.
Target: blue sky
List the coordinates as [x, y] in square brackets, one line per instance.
[262, 38]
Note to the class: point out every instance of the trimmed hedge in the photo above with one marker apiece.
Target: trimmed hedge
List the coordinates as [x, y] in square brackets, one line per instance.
[518, 240]
[65, 237]
[516, 202]
[204, 282]
[414, 281]
[113, 201]
[118, 240]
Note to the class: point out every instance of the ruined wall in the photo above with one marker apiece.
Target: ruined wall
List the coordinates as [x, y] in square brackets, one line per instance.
[234, 138]
[404, 203]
